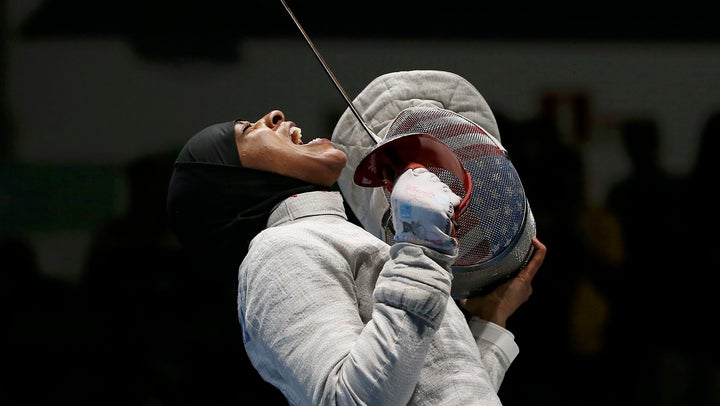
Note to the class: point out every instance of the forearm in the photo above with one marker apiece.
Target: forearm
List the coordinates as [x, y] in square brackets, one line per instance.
[316, 348]
[411, 298]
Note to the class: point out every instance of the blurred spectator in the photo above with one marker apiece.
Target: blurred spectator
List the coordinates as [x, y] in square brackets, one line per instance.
[165, 333]
[691, 368]
[645, 204]
[573, 300]
[41, 349]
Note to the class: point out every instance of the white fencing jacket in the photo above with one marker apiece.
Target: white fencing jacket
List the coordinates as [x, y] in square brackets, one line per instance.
[332, 315]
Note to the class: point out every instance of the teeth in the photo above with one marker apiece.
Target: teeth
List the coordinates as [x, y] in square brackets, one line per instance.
[296, 134]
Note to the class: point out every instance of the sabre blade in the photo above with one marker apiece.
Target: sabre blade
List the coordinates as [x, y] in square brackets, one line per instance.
[325, 66]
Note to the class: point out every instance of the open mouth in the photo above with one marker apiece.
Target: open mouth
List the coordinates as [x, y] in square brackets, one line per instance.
[296, 137]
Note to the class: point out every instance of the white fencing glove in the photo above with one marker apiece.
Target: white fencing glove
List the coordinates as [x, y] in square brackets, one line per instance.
[422, 210]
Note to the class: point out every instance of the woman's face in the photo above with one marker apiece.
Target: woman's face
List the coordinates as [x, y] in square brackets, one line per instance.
[275, 145]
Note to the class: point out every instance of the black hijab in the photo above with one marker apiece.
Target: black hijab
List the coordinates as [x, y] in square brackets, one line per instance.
[215, 205]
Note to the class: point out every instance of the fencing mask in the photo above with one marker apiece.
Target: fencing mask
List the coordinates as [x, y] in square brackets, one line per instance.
[495, 225]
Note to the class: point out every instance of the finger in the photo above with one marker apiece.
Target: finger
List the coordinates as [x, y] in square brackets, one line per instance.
[536, 261]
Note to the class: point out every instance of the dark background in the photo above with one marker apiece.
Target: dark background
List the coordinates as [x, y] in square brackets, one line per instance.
[169, 30]
[101, 306]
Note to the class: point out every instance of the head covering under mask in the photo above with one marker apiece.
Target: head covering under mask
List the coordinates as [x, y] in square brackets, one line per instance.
[215, 205]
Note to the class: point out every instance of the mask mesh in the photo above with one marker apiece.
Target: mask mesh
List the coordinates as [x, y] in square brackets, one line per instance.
[497, 227]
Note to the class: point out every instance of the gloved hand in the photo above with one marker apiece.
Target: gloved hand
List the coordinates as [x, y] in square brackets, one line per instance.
[422, 209]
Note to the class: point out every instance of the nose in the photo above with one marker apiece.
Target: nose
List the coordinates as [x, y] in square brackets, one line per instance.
[273, 118]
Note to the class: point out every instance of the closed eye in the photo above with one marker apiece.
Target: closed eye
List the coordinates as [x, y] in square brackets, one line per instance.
[245, 125]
